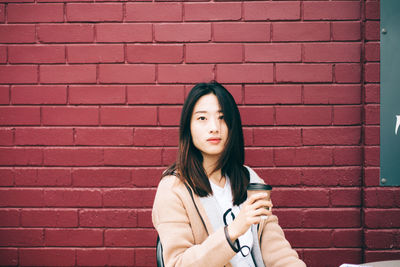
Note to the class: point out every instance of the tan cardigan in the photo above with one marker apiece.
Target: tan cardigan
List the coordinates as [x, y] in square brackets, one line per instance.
[187, 243]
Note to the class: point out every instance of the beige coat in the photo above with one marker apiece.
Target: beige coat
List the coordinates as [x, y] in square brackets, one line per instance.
[186, 242]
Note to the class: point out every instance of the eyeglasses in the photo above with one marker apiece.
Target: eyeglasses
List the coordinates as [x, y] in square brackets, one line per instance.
[245, 250]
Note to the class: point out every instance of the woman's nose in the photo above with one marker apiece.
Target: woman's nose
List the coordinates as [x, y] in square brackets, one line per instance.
[214, 125]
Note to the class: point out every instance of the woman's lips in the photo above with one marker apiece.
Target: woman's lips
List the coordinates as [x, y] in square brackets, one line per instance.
[214, 140]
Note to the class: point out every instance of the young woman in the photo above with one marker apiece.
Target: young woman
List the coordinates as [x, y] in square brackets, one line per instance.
[201, 210]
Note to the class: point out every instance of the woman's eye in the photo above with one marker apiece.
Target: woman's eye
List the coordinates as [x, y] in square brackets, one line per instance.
[202, 118]
[221, 117]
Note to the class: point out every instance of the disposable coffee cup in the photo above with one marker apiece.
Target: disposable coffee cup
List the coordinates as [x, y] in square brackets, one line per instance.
[255, 188]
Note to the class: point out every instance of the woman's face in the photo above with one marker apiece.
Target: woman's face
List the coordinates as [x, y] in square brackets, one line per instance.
[208, 127]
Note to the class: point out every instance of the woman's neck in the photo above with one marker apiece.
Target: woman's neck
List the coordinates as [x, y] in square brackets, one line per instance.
[214, 176]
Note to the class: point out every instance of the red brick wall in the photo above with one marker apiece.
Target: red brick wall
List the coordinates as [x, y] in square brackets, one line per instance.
[90, 97]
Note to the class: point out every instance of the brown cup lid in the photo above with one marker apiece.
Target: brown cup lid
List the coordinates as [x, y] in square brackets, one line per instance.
[259, 186]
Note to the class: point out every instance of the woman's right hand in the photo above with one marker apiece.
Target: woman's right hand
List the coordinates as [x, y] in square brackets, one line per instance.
[250, 213]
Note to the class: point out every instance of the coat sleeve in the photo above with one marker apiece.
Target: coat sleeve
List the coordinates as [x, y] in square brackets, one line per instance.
[171, 221]
[276, 250]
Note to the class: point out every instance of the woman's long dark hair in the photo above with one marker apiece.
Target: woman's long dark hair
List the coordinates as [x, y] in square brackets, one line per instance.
[189, 164]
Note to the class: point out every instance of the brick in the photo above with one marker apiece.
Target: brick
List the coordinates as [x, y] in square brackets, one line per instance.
[12, 74]
[303, 115]
[259, 157]
[371, 176]
[21, 156]
[128, 115]
[169, 116]
[372, 10]
[372, 51]
[245, 73]
[271, 10]
[313, 197]
[382, 239]
[381, 198]
[145, 218]
[332, 52]
[74, 237]
[65, 33]
[3, 54]
[309, 238]
[105, 256]
[281, 176]
[381, 255]
[49, 218]
[332, 94]
[372, 114]
[157, 12]
[108, 53]
[103, 136]
[345, 156]
[68, 73]
[146, 177]
[212, 11]
[35, 13]
[336, 256]
[39, 94]
[372, 30]
[98, 177]
[97, 94]
[331, 176]
[241, 32]
[126, 32]
[107, 218]
[10, 33]
[43, 136]
[132, 157]
[9, 218]
[2, 13]
[300, 31]
[96, 12]
[277, 136]
[328, 218]
[372, 72]
[214, 53]
[182, 32]
[6, 136]
[156, 136]
[155, 53]
[36, 54]
[257, 115]
[371, 135]
[127, 73]
[342, 197]
[331, 136]
[371, 156]
[70, 115]
[335, 10]
[47, 256]
[346, 31]
[168, 156]
[73, 157]
[155, 94]
[4, 94]
[42, 177]
[348, 73]
[289, 218]
[21, 237]
[72, 198]
[145, 257]
[347, 115]
[348, 238]
[193, 73]
[382, 218]
[9, 256]
[130, 237]
[272, 94]
[304, 156]
[272, 52]
[303, 73]
[372, 93]
[133, 198]
[19, 115]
